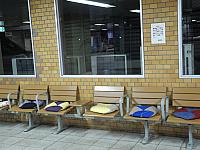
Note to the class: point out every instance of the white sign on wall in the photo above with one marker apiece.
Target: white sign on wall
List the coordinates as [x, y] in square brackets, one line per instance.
[158, 33]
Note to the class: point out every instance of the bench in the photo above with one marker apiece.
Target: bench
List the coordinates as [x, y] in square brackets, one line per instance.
[9, 93]
[107, 95]
[62, 94]
[154, 96]
[185, 97]
[30, 93]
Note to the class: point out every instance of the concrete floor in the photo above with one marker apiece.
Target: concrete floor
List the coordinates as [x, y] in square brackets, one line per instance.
[43, 137]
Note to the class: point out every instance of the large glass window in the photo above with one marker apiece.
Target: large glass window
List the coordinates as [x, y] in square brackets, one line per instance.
[16, 54]
[189, 37]
[100, 37]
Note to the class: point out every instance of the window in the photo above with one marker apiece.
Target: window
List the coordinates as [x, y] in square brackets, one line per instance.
[189, 38]
[16, 54]
[100, 38]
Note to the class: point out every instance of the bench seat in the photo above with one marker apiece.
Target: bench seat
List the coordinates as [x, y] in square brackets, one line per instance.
[63, 112]
[16, 108]
[93, 114]
[4, 108]
[156, 118]
[173, 119]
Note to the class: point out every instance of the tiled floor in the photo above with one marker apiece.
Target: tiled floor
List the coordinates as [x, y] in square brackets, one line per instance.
[12, 137]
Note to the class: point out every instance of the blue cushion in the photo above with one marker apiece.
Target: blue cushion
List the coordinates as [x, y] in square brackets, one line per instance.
[187, 113]
[142, 111]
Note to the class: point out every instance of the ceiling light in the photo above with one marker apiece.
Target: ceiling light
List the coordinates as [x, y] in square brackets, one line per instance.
[104, 29]
[26, 22]
[135, 11]
[92, 3]
[194, 20]
[99, 24]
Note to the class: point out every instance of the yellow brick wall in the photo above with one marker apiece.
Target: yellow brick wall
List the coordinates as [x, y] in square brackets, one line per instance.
[161, 61]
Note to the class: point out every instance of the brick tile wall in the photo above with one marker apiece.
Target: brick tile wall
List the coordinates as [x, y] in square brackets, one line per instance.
[161, 61]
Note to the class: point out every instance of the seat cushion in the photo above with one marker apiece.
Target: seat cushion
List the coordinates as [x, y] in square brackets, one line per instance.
[31, 104]
[27, 105]
[4, 103]
[57, 106]
[142, 111]
[187, 113]
[104, 108]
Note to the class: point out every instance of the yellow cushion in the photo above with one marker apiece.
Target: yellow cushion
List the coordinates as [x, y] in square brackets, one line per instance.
[104, 108]
[63, 105]
[50, 105]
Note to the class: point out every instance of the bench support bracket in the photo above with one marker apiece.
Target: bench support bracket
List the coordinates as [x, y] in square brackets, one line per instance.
[60, 124]
[190, 142]
[146, 133]
[31, 124]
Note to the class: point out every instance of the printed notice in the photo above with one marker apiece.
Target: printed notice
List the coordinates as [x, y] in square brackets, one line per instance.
[158, 33]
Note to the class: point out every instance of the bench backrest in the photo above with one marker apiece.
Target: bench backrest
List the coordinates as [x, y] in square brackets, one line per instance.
[6, 89]
[148, 95]
[63, 93]
[108, 94]
[29, 92]
[186, 97]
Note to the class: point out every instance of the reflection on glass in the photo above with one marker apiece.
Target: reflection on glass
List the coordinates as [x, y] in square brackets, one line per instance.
[98, 40]
[16, 56]
[191, 37]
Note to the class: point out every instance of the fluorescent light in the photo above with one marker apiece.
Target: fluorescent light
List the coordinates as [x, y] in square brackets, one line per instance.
[92, 3]
[194, 20]
[104, 29]
[135, 11]
[99, 24]
[26, 22]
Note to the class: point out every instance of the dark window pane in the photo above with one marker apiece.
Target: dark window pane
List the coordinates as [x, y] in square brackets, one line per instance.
[191, 37]
[100, 40]
[16, 56]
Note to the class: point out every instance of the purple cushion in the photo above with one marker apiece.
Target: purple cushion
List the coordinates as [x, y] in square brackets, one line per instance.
[27, 105]
[53, 108]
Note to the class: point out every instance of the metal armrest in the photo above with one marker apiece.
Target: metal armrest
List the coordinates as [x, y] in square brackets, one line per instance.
[127, 104]
[167, 107]
[8, 98]
[37, 101]
[121, 102]
[163, 108]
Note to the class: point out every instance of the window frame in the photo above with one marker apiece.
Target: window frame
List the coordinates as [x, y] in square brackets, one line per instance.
[60, 57]
[180, 44]
[33, 51]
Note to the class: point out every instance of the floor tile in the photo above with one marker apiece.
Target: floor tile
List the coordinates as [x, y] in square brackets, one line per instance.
[58, 146]
[53, 137]
[12, 140]
[105, 143]
[166, 147]
[126, 145]
[78, 147]
[113, 135]
[15, 147]
[70, 139]
[131, 137]
[86, 141]
[172, 141]
[140, 146]
[98, 148]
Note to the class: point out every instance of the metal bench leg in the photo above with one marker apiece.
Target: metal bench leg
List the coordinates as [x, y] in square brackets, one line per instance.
[146, 133]
[60, 124]
[190, 142]
[30, 123]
